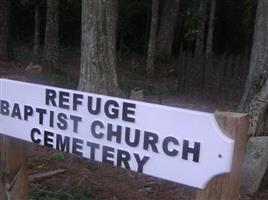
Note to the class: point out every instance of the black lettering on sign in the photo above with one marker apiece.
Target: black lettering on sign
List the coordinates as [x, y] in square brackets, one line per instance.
[123, 157]
[128, 109]
[93, 147]
[150, 139]
[50, 97]
[28, 111]
[64, 100]
[96, 110]
[136, 141]
[94, 126]
[16, 111]
[35, 131]
[77, 100]
[75, 119]
[193, 150]
[114, 133]
[4, 107]
[77, 146]
[141, 162]
[108, 154]
[166, 142]
[111, 109]
[41, 113]
[63, 143]
[51, 119]
[62, 124]
[48, 139]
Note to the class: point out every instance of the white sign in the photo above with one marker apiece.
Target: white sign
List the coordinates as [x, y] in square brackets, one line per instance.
[175, 144]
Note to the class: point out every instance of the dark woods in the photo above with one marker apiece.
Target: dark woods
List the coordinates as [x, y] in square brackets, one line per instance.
[204, 45]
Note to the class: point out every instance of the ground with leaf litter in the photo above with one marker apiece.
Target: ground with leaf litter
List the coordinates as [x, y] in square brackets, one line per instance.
[82, 179]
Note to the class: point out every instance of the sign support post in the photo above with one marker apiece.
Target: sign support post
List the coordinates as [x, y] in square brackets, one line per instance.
[13, 170]
[227, 186]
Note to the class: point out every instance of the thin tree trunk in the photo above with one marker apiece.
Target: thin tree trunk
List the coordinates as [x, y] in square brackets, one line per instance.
[98, 47]
[51, 48]
[152, 39]
[200, 38]
[36, 28]
[4, 29]
[199, 70]
[255, 96]
[167, 26]
[209, 45]
[258, 111]
[259, 56]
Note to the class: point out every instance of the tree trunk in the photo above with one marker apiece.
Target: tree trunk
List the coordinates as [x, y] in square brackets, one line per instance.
[98, 47]
[167, 28]
[259, 56]
[36, 28]
[13, 171]
[200, 38]
[152, 39]
[209, 44]
[258, 111]
[199, 68]
[4, 29]
[51, 48]
[255, 96]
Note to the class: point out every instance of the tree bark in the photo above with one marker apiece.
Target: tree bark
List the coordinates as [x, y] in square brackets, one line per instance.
[200, 38]
[258, 111]
[51, 48]
[209, 43]
[259, 56]
[167, 28]
[255, 96]
[4, 29]
[98, 47]
[152, 39]
[36, 28]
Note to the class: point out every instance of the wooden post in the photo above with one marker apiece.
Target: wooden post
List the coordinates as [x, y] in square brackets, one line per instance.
[226, 187]
[13, 170]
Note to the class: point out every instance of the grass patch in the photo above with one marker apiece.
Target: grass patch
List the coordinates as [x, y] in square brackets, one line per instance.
[61, 194]
[58, 156]
[24, 54]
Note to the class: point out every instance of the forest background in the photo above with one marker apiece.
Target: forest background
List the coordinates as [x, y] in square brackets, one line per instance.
[209, 50]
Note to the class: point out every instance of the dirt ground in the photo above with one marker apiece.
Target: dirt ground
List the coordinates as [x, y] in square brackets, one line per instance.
[88, 180]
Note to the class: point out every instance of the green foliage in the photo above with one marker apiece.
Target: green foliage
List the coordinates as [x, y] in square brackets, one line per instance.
[24, 54]
[134, 76]
[149, 86]
[157, 89]
[190, 12]
[63, 76]
[88, 163]
[61, 194]
[58, 156]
